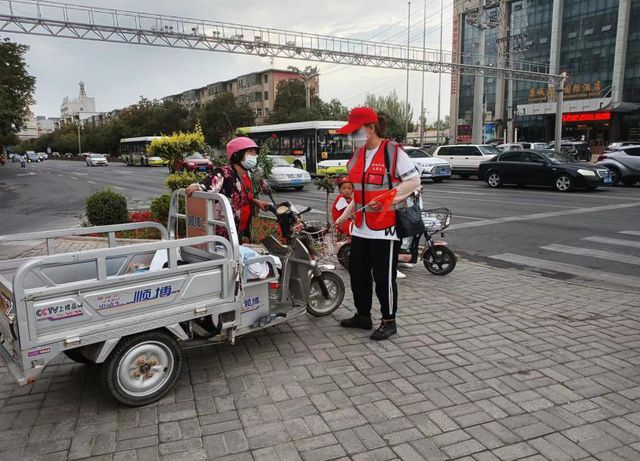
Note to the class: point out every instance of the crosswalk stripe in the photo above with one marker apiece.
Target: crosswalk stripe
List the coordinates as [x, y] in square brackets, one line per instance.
[630, 232]
[591, 274]
[610, 241]
[608, 255]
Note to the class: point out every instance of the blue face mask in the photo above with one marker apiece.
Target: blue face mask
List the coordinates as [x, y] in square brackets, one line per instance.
[250, 162]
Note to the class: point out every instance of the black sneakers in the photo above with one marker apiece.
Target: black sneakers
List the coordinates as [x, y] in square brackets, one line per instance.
[385, 330]
[358, 321]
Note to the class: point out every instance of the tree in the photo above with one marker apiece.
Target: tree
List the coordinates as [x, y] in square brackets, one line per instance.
[222, 116]
[16, 90]
[290, 105]
[174, 147]
[334, 110]
[441, 125]
[395, 112]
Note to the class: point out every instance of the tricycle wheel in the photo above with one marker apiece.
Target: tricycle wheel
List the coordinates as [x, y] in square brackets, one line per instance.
[142, 368]
[77, 356]
[439, 260]
[317, 304]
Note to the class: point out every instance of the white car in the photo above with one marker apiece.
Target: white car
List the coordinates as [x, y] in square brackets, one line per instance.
[434, 168]
[96, 160]
[465, 159]
[285, 176]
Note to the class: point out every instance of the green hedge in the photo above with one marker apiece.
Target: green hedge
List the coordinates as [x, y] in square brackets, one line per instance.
[106, 207]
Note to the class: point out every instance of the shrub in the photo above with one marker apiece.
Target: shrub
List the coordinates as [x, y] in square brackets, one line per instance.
[182, 180]
[160, 208]
[106, 207]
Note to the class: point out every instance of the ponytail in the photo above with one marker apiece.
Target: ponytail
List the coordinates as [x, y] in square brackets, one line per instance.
[381, 126]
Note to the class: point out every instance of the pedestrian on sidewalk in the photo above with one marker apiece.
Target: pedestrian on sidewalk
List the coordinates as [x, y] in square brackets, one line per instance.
[234, 181]
[374, 242]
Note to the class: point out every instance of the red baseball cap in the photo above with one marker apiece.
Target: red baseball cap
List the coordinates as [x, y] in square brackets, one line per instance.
[359, 117]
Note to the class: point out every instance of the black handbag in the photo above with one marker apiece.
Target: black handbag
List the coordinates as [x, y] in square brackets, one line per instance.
[408, 218]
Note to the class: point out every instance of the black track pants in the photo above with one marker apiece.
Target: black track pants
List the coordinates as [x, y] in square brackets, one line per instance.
[374, 260]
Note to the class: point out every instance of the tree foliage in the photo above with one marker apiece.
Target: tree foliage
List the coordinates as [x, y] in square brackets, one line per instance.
[290, 105]
[222, 116]
[177, 145]
[395, 111]
[16, 90]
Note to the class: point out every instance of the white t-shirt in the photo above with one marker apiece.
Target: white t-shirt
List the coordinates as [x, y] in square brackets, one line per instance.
[405, 169]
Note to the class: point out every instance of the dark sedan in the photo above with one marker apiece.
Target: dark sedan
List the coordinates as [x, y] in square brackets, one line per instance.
[542, 168]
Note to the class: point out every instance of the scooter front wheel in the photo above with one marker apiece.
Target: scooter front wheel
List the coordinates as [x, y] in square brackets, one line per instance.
[319, 305]
[439, 260]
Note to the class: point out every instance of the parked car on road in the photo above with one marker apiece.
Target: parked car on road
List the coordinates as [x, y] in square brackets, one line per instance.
[157, 161]
[285, 176]
[43, 156]
[193, 162]
[96, 160]
[509, 147]
[15, 157]
[615, 145]
[434, 168]
[543, 168]
[32, 157]
[624, 164]
[578, 149]
[466, 158]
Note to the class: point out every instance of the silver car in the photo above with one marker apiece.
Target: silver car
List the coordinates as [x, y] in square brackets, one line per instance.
[96, 160]
[285, 176]
[624, 164]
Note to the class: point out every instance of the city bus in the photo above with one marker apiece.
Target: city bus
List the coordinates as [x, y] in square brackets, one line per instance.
[133, 151]
[303, 144]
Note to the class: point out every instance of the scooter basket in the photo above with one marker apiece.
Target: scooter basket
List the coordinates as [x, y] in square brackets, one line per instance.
[436, 219]
[321, 239]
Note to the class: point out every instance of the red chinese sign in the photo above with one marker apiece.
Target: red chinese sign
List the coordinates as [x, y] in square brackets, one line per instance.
[587, 117]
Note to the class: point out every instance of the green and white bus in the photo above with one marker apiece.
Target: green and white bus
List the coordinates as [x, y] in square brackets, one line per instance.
[303, 144]
[133, 151]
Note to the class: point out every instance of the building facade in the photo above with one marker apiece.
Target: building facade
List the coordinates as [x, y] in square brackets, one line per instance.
[83, 107]
[596, 47]
[46, 125]
[29, 129]
[258, 90]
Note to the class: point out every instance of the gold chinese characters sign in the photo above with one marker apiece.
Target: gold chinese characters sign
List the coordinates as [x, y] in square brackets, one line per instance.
[570, 90]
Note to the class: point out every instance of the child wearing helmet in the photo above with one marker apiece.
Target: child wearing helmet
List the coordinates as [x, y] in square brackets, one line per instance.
[341, 202]
[234, 182]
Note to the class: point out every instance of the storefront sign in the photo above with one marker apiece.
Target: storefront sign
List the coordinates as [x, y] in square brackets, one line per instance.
[587, 117]
[571, 91]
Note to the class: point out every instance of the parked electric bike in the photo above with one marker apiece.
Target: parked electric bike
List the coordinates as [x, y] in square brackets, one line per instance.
[303, 244]
[436, 256]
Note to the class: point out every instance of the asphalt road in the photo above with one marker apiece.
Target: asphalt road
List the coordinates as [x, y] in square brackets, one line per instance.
[594, 234]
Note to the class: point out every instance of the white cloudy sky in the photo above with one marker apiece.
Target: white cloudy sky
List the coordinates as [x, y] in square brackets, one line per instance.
[117, 75]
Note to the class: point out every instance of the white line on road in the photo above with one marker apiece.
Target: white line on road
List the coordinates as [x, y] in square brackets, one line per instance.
[526, 193]
[91, 182]
[551, 214]
[608, 255]
[74, 178]
[428, 196]
[592, 274]
[610, 241]
[630, 232]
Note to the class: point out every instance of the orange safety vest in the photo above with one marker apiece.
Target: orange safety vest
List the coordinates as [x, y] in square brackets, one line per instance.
[372, 182]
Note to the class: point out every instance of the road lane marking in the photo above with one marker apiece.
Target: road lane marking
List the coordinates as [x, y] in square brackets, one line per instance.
[91, 182]
[526, 193]
[600, 254]
[630, 232]
[494, 201]
[610, 241]
[591, 274]
[551, 214]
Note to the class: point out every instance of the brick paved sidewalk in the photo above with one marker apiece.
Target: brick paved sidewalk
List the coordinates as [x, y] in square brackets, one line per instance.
[489, 364]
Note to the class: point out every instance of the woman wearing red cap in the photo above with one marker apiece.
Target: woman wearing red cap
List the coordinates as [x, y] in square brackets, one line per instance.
[375, 244]
[233, 180]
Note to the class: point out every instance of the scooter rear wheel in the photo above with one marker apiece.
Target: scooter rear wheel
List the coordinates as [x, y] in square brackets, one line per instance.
[344, 254]
[317, 304]
[439, 260]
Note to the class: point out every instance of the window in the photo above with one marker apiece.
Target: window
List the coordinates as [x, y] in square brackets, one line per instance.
[511, 157]
[532, 157]
[266, 95]
[265, 78]
[258, 112]
[635, 152]
[606, 28]
[588, 32]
